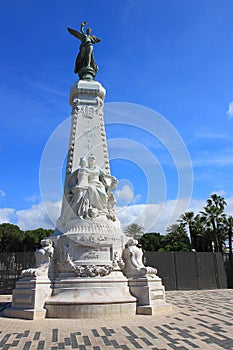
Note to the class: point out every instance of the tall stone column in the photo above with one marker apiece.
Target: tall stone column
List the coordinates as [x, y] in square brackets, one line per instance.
[88, 231]
[87, 131]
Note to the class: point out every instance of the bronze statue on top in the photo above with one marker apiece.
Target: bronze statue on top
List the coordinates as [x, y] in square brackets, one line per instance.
[85, 64]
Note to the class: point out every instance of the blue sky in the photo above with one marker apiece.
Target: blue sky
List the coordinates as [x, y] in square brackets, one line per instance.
[173, 57]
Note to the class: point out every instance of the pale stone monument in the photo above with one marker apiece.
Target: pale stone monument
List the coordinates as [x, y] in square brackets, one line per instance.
[92, 269]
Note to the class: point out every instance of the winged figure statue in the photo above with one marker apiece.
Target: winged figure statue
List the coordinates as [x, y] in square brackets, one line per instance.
[85, 64]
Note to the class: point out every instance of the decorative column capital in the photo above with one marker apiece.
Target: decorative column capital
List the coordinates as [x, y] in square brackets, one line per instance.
[87, 88]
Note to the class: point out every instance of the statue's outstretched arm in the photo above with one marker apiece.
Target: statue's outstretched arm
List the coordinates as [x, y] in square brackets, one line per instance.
[82, 26]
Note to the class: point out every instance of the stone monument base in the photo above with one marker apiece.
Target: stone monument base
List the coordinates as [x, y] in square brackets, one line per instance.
[150, 295]
[69, 296]
[75, 297]
[28, 299]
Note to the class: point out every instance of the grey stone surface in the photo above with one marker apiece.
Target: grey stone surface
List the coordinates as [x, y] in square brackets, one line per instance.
[197, 321]
[29, 297]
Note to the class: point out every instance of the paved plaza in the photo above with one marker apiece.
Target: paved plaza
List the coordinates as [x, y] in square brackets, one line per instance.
[199, 320]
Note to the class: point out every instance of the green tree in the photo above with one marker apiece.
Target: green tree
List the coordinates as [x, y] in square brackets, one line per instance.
[188, 219]
[199, 232]
[215, 218]
[151, 241]
[203, 241]
[176, 239]
[33, 237]
[134, 230]
[11, 238]
[229, 229]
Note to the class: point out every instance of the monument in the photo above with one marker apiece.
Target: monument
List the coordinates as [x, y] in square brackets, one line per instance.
[88, 268]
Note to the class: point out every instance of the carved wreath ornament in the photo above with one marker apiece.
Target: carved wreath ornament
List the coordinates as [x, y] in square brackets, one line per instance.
[91, 270]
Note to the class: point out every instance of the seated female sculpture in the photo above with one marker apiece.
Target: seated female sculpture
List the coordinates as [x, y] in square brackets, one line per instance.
[132, 257]
[90, 195]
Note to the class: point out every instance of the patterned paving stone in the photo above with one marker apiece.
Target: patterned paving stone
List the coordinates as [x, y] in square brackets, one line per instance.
[199, 320]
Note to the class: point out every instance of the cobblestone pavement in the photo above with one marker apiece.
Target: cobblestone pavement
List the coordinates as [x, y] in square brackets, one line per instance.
[199, 320]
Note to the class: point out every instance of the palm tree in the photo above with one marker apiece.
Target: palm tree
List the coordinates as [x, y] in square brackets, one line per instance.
[215, 217]
[203, 233]
[229, 227]
[188, 219]
[134, 230]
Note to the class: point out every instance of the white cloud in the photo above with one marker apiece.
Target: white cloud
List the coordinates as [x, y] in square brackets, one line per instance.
[157, 217]
[153, 217]
[6, 215]
[230, 110]
[39, 215]
[33, 199]
[208, 133]
[126, 195]
[2, 193]
[229, 207]
[207, 158]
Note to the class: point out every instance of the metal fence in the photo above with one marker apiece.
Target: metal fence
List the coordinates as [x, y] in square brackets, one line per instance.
[228, 265]
[178, 270]
[11, 265]
[187, 270]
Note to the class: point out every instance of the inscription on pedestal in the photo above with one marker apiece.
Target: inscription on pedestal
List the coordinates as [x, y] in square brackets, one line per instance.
[93, 253]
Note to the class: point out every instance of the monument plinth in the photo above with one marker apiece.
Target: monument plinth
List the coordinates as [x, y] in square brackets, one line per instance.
[93, 269]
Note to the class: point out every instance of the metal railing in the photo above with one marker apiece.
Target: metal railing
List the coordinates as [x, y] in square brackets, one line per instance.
[11, 265]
